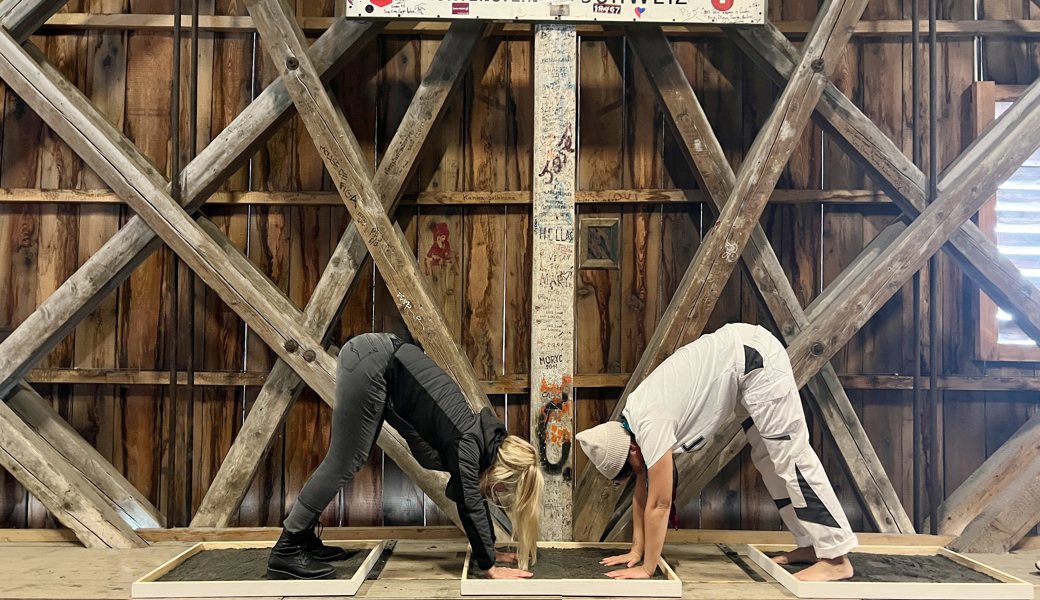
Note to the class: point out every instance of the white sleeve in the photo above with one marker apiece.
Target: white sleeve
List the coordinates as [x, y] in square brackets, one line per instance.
[655, 437]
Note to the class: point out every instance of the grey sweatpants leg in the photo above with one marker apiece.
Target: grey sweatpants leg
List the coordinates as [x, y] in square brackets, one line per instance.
[357, 418]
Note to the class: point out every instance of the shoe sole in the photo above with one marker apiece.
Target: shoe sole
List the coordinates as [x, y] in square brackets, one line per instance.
[281, 575]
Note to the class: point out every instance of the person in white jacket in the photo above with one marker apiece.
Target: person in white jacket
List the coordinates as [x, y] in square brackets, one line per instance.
[744, 369]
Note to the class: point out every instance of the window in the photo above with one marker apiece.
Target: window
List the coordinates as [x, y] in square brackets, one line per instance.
[1011, 218]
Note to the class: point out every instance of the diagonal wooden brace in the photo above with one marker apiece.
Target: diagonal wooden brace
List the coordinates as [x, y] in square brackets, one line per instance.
[702, 150]
[21, 18]
[283, 386]
[102, 273]
[717, 255]
[966, 185]
[284, 41]
[247, 291]
[901, 180]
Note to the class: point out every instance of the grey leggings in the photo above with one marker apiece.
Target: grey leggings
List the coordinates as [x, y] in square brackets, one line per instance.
[357, 418]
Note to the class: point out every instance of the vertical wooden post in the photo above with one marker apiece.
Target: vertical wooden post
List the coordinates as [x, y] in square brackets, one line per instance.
[552, 281]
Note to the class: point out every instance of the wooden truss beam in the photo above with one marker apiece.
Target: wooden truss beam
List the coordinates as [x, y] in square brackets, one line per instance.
[109, 483]
[518, 197]
[900, 179]
[899, 251]
[717, 255]
[992, 480]
[1007, 518]
[106, 269]
[22, 18]
[966, 184]
[79, 486]
[283, 386]
[284, 41]
[832, 405]
[552, 268]
[60, 487]
[200, 244]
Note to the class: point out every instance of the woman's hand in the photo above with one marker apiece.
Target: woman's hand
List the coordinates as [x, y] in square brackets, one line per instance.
[631, 573]
[506, 557]
[630, 559]
[507, 573]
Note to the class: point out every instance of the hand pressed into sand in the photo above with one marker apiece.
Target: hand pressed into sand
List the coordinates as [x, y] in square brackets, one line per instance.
[506, 557]
[629, 559]
[822, 569]
[507, 573]
[631, 573]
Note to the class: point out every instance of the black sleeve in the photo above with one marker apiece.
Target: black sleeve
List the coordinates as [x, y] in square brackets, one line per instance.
[473, 511]
[424, 454]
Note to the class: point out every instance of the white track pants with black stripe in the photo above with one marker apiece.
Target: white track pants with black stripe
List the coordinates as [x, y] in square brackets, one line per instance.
[780, 450]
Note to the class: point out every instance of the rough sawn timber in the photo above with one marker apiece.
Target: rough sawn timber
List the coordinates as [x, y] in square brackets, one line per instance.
[703, 151]
[553, 268]
[717, 255]
[348, 259]
[284, 41]
[200, 244]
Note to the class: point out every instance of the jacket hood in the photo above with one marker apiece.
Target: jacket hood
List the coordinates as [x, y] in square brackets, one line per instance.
[494, 433]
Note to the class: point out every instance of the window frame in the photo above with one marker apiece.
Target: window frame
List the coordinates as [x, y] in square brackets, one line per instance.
[985, 95]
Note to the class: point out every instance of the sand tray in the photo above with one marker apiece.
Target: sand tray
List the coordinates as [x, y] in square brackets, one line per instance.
[895, 572]
[665, 585]
[238, 569]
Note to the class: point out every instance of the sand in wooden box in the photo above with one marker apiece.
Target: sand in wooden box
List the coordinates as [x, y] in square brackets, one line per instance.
[572, 569]
[239, 569]
[893, 572]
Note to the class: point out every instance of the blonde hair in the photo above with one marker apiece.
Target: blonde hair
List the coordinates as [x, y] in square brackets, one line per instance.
[516, 468]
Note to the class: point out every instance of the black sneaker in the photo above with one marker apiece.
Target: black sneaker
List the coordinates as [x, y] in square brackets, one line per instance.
[290, 559]
[312, 543]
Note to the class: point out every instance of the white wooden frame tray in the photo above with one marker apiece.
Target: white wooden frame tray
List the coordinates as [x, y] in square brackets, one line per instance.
[605, 587]
[148, 587]
[1011, 588]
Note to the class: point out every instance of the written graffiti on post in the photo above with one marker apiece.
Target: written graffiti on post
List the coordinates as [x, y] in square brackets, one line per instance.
[552, 302]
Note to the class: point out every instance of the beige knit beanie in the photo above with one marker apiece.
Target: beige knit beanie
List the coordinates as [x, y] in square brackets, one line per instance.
[606, 446]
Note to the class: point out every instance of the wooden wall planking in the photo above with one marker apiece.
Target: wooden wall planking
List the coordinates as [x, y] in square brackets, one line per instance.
[483, 144]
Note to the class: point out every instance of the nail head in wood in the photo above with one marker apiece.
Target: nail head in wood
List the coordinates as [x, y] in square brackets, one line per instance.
[309, 355]
[292, 63]
[817, 65]
[291, 345]
[816, 349]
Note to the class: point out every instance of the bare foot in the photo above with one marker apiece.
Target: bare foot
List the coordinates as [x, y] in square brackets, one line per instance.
[798, 556]
[827, 569]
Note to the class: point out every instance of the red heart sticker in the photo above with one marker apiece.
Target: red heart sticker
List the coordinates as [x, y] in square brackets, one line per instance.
[384, 3]
[722, 5]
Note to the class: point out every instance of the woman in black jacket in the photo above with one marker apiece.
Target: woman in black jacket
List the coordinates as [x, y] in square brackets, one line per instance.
[379, 377]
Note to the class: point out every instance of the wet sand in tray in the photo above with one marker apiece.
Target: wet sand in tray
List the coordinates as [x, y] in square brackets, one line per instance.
[246, 564]
[905, 569]
[567, 563]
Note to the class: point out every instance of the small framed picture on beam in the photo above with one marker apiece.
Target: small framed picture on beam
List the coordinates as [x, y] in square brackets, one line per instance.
[599, 243]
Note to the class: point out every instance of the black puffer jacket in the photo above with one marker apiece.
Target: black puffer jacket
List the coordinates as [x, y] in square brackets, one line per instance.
[428, 409]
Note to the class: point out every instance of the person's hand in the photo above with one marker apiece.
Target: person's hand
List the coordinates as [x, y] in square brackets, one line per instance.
[507, 573]
[631, 573]
[630, 559]
[506, 557]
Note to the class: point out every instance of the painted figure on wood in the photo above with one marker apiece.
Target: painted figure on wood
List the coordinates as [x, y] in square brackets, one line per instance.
[744, 369]
[440, 254]
[380, 378]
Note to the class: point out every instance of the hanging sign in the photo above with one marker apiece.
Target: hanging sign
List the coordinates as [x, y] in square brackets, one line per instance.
[719, 12]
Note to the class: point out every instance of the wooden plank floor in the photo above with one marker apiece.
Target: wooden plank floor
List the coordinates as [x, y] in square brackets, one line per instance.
[418, 569]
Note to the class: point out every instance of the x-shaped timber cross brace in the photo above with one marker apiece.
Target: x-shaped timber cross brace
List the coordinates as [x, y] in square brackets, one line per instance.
[200, 244]
[717, 255]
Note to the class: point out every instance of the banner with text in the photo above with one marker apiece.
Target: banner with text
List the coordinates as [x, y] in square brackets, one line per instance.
[719, 12]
